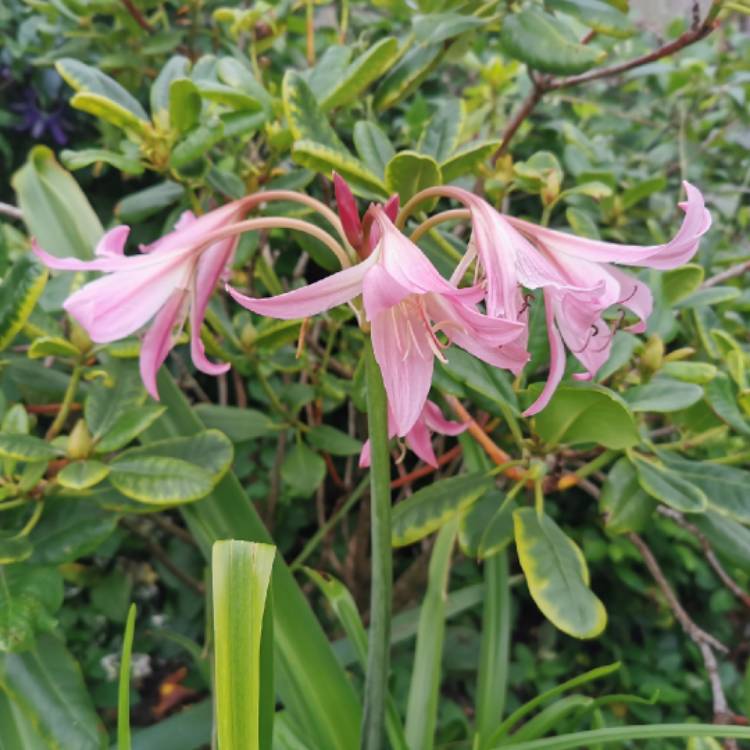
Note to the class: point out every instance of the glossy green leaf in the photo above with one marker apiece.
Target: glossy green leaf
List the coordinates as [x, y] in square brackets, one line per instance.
[669, 487]
[237, 424]
[15, 549]
[184, 105]
[19, 292]
[87, 79]
[70, 528]
[107, 403]
[29, 597]
[18, 732]
[467, 159]
[474, 522]
[233, 73]
[145, 203]
[431, 507]
[537, 39]
[587, 414]
[409, 172]
[725, 487]
[373, 147]
[241, 574]
[47, 686]
[663, 395]
[625, 505]
[82, 158]
[597, 15]
[552, 716]
[714, 295]
[188, 729]
[55, 209]
[303, 470]
[127, 426]
[196, 144]
[304, 115]
[229, 96]
[123, 692]
[105, 109]
[80, 475]
[365, 70]
[333, 441]
[440, 137]
[721, 396]
[160, 95]
[52, 346]
[729, 539]
[690, 372]
[679, 283]
[406, 76]
[557, 575]
[424, 688]
[27, 448]
[438, 27]
[499, 531]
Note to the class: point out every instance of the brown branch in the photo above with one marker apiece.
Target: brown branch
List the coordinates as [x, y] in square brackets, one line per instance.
[426, 469]
[730, 273]
[10, 211]
[544, 84]
[137, 16]
[710, 555]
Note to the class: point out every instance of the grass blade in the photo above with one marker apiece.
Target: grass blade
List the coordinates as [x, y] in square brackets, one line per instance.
[123, 693]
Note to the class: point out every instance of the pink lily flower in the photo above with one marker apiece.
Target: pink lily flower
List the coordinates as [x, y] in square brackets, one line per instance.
[418, 438]
[578, 281]
[407, 302]
[171, 278]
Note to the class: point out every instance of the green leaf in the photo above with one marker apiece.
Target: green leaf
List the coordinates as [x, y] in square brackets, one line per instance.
[52, 346]
[303, 470]
[498, 533]
[26, 448]
[424, 688]
[437, 27]
[536, 39]
[406, 76]
[145, 203]
[47, 686]
[431, 507]
[233, 73]
[467, 159]
[29, 597]
[80, 475]
[409, 172]
[474, 522]
[87, 79]
[184, 105]
[18, 732]
[304, 115]
[373, 147]
[714, 295]
[159, 480]
[669, 487]
[325, 159]
[86, 157]
[237, 424]
[721, 396]
[189, 729]
[228, 96]
[690, 372]
[364, 71]
[440, 137]
[663, 395]
[328, 70]
[109, 111]
[625, 505]
[587, 414]
[196, 143]
[557, 575]
[679, 283]
[333, 441]
[15, 549]
[241, 575]
[123, 690]
[160, 95]
[597, 15]
[725, 487]
[104, 405]
[19, 292]
[127, 426]
[641, 190]
[552, 717]
[729, 539]
[70, 529]
[55, 209]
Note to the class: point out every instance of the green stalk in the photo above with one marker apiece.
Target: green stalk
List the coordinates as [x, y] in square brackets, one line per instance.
[70, 393]
[378, 655]
[123, 692]
[494, 649]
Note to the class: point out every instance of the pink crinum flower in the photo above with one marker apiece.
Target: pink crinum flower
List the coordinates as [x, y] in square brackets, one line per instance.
[173, 276]
[407, 303]
[418, 438]
[576, 276]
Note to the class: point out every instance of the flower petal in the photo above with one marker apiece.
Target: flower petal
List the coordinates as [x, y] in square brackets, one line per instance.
[112, 243]
[101, 263]
[418, 439]
[583, 330]
[380, 291]
[314, 298]
[556, 361]
[159, 339]
[680, 249]
[435, 421]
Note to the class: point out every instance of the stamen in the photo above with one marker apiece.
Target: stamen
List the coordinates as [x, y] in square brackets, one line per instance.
[592, 332]
[629, 297]
[528, 298]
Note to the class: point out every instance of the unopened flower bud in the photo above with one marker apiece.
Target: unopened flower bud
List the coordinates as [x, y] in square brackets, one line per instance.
[80, 441]
[653, 354]
[348, 212]
[248, 335]
[79, 338]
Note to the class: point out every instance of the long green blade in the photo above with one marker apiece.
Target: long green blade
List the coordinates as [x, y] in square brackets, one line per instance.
[241, 575]
[123, 693]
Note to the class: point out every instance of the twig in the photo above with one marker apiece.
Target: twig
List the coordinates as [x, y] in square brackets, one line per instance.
[527, 107]
[426, 469]
[168, 525]
[137, 16]
[7, 210]
[730, 273]
[722, 714]
[710, 555]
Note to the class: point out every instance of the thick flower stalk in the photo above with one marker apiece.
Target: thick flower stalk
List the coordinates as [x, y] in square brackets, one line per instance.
[576, 275]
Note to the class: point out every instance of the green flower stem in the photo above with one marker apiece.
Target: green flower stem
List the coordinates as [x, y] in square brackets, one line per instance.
[67, 402]
[378, 655]
[596, 464]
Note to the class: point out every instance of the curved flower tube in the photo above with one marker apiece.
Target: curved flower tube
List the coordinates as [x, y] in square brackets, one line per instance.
[407, 303]
[418, 438]
[575, 273]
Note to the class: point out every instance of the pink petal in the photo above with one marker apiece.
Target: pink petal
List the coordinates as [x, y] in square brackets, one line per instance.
[679, 250]
[314, 298]
[635, 296]
[418, 439]
[365, 455]
[391, 207]
[101, 263]
[402, 350]
[159, 339]
[112, 244]
[556, 364]
[435, 421]
[380, 291]
[583, 330]
[348, 211]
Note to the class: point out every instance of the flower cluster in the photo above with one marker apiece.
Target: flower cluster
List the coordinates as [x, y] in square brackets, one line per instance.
[413, 313]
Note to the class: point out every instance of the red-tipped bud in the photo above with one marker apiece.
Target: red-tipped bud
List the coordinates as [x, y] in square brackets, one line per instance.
[348, 211]
[391, 207]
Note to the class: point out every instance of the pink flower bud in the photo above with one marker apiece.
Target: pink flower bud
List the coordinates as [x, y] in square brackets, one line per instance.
[348, 211]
